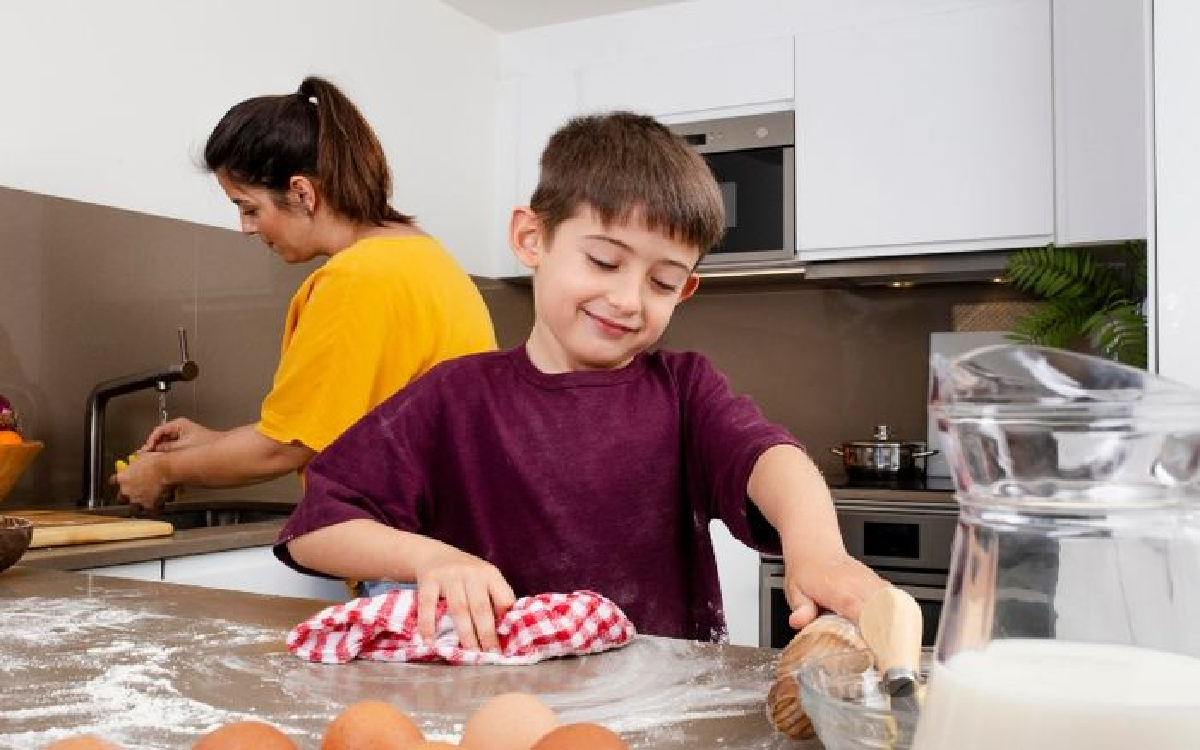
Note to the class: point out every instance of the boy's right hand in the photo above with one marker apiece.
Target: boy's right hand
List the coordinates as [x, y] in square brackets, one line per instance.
[476, 597]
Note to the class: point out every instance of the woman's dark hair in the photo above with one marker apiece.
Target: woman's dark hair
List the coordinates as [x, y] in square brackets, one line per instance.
[315, 132]
[622, 164]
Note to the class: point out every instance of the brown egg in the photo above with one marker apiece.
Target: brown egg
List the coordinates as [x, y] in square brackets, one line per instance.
[82, 742]
[581, 736]
[245, 735]
[371, 725]
[511, 721]
[430, 745]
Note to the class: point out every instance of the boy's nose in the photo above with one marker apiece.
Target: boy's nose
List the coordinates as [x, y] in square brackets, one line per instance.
[625, 294]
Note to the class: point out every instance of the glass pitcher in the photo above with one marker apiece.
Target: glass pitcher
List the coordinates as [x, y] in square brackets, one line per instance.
[1072, 612]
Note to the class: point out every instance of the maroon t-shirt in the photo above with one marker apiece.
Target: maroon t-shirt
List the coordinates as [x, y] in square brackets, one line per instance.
[599, 480]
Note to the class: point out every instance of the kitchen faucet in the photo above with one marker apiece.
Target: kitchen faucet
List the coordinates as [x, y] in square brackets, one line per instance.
[159, 380]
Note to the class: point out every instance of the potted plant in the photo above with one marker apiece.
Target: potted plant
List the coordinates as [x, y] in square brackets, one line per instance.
[1088, 302]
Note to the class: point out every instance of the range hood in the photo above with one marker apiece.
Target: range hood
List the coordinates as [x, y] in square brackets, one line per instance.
[904, 270]
[912, 269]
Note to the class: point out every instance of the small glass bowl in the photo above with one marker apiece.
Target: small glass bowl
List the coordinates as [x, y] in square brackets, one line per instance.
[843, 696]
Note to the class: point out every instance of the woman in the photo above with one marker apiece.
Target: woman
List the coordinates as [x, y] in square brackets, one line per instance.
[310, 179]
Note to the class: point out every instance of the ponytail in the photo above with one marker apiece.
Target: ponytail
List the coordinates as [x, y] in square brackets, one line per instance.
[316, 132]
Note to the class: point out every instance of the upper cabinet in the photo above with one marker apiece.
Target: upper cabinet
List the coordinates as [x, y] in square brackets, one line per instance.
[1101, 116]
[925, 132]
[675, 84]
[928, 126]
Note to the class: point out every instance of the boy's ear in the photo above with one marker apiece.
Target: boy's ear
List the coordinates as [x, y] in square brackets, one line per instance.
[525, 236]
[689, 287]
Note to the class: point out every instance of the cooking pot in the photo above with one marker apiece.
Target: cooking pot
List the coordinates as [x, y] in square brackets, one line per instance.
[882, 456]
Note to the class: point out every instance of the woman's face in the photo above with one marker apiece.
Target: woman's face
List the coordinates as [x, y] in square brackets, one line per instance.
[287, 230]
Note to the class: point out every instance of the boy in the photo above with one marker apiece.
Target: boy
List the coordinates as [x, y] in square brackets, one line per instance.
[580, 460]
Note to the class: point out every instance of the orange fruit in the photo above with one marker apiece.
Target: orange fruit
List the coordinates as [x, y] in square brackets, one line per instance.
[10, 437]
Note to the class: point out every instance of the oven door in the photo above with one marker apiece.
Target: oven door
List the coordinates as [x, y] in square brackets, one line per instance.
[775, 632]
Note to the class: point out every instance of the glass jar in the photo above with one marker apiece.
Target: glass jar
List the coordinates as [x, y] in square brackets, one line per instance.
[1072, 611]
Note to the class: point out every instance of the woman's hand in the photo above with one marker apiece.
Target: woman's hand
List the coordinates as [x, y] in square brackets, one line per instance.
[144, 481]
[476, 597]
[178, 434]
[841, 584]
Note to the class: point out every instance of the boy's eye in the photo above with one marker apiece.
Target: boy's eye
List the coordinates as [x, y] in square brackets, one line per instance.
[250, 212]
[664, 286]
[601, 263]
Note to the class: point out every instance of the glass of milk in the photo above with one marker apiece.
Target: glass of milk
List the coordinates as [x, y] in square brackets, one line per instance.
[1072, 612]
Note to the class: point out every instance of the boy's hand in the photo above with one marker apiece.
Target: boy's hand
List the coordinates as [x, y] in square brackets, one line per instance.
[841, 584]
[476, 596]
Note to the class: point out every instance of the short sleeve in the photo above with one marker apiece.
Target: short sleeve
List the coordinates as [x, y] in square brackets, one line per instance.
[328, 370]
[724, 435]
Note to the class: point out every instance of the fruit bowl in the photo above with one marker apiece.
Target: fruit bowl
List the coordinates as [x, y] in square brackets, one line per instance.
[15, 534]
[14, 459]
[844, 699]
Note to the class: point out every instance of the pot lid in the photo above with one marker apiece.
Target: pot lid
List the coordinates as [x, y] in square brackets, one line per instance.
[884, 437]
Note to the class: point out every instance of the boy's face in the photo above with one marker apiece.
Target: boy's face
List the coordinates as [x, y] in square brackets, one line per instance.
[601, 294]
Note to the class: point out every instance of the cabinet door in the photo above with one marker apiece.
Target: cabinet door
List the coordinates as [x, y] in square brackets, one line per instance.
[693, 81]
[926, 132]
[149, 570]
[254, 569]
[531, 108]
[737, 568]
[1100, 120]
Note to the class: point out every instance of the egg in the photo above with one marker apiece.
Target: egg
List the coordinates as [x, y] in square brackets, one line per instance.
[82, 742]
[510, 721]
[582, 736]
[431, 745]
[245, 735]
[371, 725]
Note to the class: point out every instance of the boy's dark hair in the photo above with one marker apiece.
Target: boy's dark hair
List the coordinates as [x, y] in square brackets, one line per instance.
[623, 165]
[315, 132]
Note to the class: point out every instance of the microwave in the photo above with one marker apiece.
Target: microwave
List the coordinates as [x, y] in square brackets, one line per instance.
[753, 158]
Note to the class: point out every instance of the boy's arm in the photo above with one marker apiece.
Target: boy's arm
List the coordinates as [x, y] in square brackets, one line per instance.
[475, 591]
[818, 572]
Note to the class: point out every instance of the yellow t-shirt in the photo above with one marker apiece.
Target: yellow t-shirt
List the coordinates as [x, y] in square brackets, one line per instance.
[373, 317]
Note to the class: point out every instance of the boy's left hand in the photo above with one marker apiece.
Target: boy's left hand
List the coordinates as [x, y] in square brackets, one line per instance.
[840, 584]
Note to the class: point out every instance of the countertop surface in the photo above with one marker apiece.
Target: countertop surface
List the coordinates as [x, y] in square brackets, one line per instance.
[185, 541]
[152, 666]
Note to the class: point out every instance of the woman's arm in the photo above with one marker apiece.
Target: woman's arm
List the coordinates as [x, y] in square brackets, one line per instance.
[818, 572]
[236, 457]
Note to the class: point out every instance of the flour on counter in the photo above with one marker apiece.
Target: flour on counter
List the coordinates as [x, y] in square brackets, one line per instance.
[103, 681]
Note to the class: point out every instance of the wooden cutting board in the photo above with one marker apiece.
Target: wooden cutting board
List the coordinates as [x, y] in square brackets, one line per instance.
[55, 528]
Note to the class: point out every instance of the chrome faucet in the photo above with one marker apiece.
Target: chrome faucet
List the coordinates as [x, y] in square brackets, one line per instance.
[160, 380]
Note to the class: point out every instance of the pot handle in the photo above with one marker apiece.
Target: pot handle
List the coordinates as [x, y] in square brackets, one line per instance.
[836, 451]
[923, 454]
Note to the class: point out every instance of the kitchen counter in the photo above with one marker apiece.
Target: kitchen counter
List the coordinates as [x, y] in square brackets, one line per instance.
[185, 541]
[182, 542]
[153, 665]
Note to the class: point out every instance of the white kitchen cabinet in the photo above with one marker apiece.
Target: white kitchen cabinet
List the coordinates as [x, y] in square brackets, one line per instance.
[737, 568]
[693, 82]
[148, 570]
[926, 131]
[253, 569]
[1101, 68]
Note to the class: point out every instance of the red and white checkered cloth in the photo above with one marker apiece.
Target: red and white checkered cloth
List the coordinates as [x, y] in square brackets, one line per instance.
[384, 628]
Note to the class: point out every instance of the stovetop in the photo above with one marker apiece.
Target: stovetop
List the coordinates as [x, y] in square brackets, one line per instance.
[915, 483]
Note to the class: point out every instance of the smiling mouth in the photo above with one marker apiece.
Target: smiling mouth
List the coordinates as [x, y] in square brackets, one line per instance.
[608, 325]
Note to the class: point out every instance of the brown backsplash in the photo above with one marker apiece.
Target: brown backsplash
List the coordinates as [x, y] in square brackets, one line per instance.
[89, 293]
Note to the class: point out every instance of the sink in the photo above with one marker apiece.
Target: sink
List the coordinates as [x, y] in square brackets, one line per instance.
[203, 514]
[202, 518]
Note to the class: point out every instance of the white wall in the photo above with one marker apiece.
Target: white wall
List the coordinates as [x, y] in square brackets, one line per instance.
[111, 102]
[1177, 187]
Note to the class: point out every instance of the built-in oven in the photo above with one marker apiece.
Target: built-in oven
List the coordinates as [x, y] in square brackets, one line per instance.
[907, 543]
[753, 158]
